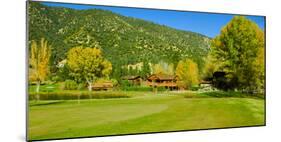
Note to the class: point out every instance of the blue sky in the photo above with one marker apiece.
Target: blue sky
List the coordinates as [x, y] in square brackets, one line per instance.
[208, 24]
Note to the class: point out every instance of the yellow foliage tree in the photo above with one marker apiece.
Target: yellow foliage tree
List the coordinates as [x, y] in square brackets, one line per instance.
[39, 62]
[239, 48]
[187, 72]
[87, 65]
[259, 66]
[163, 68]
[209, 68]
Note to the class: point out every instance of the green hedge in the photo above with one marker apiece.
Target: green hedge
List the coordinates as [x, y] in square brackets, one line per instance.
[195, 88]
[75, 95]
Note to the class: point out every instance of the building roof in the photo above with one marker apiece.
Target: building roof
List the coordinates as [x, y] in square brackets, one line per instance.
[162, 77]
[103, 85]
[131, 77]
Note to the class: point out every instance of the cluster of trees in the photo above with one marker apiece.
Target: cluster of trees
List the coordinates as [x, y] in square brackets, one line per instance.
[83, 65]
[120, 70]
[235, 61]
[239, 52]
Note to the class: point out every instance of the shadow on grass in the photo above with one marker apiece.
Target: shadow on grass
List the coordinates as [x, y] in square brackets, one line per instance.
[223, 94]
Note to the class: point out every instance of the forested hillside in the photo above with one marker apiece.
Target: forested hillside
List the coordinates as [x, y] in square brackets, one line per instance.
[123, 40]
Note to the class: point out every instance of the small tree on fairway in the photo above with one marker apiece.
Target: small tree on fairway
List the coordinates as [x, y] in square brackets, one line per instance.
[87, 64]
[39, 62]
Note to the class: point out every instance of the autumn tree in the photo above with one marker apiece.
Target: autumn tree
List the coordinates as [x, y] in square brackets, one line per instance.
[39, 62]
[209, 68]
[260, 67]
[239, 48]
[87, 64]
[187, 72]
[163, 68]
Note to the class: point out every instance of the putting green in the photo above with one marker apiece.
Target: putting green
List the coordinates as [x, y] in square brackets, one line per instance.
[148, 113]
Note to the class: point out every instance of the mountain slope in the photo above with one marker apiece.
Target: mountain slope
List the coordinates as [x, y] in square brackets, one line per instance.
[123, 40]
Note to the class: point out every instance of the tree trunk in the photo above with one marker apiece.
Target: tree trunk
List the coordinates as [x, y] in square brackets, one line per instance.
[90, 86]
[90, 89]
[37, 90]
[78, 97]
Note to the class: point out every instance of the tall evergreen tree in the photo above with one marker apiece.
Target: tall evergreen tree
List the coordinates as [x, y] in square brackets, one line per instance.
[146, 71]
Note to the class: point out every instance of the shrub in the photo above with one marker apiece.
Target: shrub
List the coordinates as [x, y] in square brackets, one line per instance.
[162, 89]
[195, 88]
[70, 85]
[114, 82]
[125, 84]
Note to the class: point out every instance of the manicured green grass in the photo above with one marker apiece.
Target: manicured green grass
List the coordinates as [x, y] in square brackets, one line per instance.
[140, 114]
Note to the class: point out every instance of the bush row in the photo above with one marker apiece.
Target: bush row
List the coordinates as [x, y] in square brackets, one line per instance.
[70, 85]
[76, 95]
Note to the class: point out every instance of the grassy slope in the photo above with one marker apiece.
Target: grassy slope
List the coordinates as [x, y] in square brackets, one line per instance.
[141, 114]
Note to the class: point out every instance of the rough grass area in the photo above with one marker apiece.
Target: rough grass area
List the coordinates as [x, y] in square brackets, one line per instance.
[140, 114]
